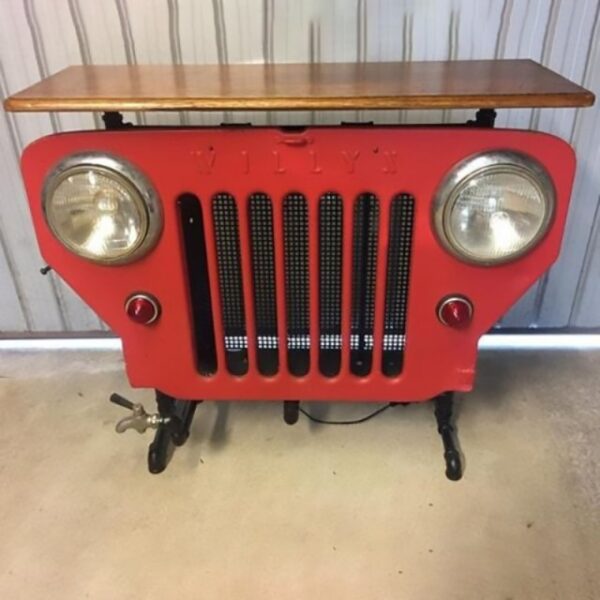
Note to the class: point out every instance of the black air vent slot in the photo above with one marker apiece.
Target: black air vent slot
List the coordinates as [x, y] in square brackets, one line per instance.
[227, 240]
[260, 220]
[397, 280]
[364, 281]
[297, 293]
[330, 283]
[194, 242]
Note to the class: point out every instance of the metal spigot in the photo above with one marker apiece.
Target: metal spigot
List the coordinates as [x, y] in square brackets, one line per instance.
[140, 420]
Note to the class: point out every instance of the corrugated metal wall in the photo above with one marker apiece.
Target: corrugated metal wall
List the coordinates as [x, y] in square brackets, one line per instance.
[39, 37]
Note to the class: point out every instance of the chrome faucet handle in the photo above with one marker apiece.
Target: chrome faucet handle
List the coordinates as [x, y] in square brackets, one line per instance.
[139, 420]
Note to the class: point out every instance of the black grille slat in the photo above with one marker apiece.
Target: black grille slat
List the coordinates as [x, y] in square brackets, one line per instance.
[194, 242]
[364, 280]
[226, 230]
[260, 221]
[330, 283]
[397, 283]
[297, 295]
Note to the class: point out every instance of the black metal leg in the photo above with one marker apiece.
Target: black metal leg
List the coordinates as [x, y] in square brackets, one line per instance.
[291, 411]
[174, 430]
[159, 451]
[443, 414]
[186, 410]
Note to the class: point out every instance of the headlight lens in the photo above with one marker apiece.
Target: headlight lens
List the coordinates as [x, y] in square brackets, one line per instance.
[494, 207]
[101, 208]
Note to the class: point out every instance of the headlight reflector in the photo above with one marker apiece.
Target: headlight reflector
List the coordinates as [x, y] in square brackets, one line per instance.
[101, 208]
[494, 207]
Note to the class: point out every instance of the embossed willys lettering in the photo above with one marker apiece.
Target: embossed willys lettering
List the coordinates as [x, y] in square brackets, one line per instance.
[243, 161]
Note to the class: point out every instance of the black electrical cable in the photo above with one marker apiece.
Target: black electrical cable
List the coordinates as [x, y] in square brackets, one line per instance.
[352, 422]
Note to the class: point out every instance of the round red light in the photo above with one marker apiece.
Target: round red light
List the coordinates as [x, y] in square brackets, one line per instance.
[142, 309]
[455, 312]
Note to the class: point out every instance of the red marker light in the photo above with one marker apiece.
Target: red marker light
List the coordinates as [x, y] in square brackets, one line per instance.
[142, 309]
[455, 312]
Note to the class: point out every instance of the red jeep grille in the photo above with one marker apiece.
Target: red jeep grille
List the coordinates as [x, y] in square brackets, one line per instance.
[367, 221]
[292, 264]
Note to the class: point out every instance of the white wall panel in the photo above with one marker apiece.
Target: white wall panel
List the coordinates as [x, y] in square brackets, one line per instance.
[38, 37]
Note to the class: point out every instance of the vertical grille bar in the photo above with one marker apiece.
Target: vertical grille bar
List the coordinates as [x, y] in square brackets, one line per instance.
[364, 263]
[330, 283]
[260, 221]
[227, 244]
[295, 243]
[397, 282]
[194, 242]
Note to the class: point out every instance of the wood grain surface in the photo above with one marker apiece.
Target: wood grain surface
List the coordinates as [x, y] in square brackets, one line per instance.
[387, 85]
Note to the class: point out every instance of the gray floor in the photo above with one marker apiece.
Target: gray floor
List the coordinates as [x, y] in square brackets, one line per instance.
[252, 508]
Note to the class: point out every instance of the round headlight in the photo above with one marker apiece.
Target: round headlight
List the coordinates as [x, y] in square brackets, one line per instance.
[494, 207]
[102, 208]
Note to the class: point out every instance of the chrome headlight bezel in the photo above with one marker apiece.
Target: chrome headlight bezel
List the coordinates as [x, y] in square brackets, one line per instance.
[491, 162]
[132, 179]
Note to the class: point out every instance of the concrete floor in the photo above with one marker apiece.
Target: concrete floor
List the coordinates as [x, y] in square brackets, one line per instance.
[252, 508]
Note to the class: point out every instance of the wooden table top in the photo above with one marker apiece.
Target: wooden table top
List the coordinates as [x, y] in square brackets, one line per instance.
[440, 84]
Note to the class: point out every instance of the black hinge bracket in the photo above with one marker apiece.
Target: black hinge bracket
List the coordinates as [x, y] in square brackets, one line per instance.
[114, 120]
[484, 117]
